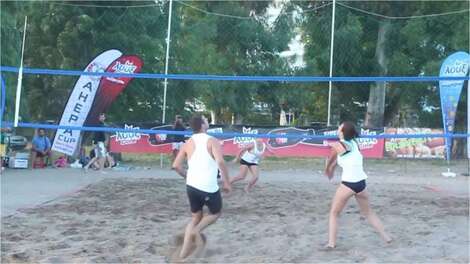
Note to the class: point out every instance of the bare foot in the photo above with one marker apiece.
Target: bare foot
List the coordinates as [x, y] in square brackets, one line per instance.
[175, 248]
[182, 257]
[329, 247]
[176, 245]
[247, 189]
[196, 249]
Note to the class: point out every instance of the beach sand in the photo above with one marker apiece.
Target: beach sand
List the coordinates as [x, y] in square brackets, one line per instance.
[284, 219]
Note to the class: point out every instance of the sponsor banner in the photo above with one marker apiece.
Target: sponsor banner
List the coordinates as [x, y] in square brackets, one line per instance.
[111, 87]
[414, 147]
[293, 147]
[133, 142]
[80, 102]
[456, 65]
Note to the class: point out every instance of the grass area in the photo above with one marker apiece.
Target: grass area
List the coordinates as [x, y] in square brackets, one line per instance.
[153, 160]
[146, 159]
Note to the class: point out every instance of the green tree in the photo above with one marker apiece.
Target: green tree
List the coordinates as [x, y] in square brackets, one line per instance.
[67, 35]
[231, 46]
[367, 45]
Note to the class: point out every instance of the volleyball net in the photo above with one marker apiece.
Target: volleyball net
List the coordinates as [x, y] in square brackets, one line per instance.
[155, 137]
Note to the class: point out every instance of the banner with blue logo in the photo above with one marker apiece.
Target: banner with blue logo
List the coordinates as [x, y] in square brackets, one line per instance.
[456, 65]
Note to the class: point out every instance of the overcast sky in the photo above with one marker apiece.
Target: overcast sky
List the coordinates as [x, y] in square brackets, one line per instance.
[295, 51]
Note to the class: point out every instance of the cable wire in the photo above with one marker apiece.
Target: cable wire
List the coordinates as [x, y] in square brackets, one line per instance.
[403, 17]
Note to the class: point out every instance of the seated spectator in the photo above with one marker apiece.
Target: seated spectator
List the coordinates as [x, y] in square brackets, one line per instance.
[93, 162]
[41, 147]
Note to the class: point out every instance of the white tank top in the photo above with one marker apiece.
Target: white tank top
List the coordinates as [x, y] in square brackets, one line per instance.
[254, 155]
[202, 168]
[351, 162]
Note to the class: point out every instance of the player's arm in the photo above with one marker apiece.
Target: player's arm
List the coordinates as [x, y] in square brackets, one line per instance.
[217, 153]
[178, 163]
[336, 149]
[243, 150]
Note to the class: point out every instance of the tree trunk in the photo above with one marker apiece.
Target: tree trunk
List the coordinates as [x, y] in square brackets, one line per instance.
[213, 118]
[391, 111]
[238, 119]
[458, 148]
[376, 104]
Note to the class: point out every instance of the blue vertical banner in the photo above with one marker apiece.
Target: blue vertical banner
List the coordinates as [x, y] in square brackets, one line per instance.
[456, 65]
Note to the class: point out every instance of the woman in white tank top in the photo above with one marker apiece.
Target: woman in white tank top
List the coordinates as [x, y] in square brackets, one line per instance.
[346, 154]
[250, 157]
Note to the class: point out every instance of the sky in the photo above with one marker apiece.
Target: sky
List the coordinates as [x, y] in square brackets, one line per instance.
[296, 49]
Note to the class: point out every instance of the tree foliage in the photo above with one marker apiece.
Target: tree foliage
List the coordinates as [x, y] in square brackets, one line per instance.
[67, 35]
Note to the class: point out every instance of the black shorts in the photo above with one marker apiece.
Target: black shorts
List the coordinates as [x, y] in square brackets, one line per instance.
[246, 163]
[198, 198]
[357, 187]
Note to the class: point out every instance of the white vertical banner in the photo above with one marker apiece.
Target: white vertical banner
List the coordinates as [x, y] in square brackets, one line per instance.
[468, 118]
[80, 102]
[20, 77]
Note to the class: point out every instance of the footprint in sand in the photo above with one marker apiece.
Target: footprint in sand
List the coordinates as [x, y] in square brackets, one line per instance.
[196, 250]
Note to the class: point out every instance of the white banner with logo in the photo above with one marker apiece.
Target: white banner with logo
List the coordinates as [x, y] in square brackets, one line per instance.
[80, 102]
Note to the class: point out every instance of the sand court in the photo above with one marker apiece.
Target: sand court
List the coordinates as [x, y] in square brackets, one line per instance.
[136, 220]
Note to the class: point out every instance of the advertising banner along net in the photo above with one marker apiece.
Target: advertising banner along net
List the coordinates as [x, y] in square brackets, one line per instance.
[287, 147]
[414, 147]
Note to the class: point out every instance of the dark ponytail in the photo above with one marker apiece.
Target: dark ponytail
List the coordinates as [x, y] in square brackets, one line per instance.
[349, 131]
